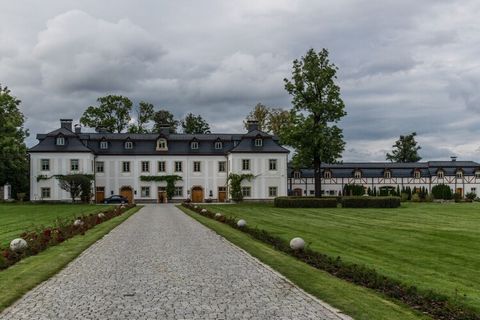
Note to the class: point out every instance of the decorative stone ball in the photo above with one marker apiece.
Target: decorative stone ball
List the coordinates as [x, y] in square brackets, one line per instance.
[218, 215]
[18, 245]
[195, 207]
[101, 215]
[297, 244]
[78, 223]
[122, 206]
[204, 211]
[241, 223]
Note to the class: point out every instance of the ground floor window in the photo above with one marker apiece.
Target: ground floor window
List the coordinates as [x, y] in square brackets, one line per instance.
[312, 192]
[45, 193]
[247, 191]
[272, 191]
[178, 192]
[145, 192]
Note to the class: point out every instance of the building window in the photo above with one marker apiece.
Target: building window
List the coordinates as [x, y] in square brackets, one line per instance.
[222, 166]
[459, 174]
[162, 144]
[74, 166]
[272, 164]
[387, 174]
[440, 174]
[196, 166]
[178, 166]
[99, 167]
[103, 144]
[194, 145]
[218, 145]
[474, 190]
[272, 191]
[126, 166]
[258, 142]
[296, 175]
[235, 143]
[60, 141]
[129, 145]
[357, 174]
[45, 164]
[477, 174]
[145, 166]
[417, 174]
[246, 191]
[145, 192]
[312, 192]
[161, 166]
[245, 164]
[327, 175]
[45, 193]
[178, 192]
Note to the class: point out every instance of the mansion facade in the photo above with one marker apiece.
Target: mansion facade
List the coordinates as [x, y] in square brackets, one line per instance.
[461, 176]
[119, 163]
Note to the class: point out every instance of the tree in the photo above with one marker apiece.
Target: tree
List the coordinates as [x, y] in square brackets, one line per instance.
[113, 114]
[13, 151]
[270, 120]
[77, 185]
[317, 107]
[278, 121]
[144, 114]
[193, 124]
[164, 118]
[235, 181]
[405, 149]
[261, 114]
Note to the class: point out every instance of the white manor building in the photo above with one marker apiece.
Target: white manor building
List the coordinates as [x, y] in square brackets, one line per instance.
[119, 160]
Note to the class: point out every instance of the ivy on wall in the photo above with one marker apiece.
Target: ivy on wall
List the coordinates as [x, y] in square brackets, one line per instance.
[235, 181]
[170, 179]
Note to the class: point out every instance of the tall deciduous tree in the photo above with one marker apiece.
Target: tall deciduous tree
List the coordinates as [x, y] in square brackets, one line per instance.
[317, 107]
[261, 114]
[270, 120]
[164, 118]
[77, 185]
[112, 114]
[13, 152]
[193, 124]
[144, 114]
[405, 149]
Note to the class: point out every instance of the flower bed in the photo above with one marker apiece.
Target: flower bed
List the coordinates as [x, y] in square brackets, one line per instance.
[436, 305]
[39, 240]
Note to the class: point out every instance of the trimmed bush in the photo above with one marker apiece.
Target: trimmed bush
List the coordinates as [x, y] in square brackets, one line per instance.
[442, 191]
[370, 202]
[305, 202]
[353, 190]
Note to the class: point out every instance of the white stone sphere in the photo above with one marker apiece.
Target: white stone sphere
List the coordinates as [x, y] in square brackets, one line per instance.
[18, 245]
[241, 223]
[204, 211]
[78, 223]
[218, 215]
[195, 207]
[297, 244]
[101, 215]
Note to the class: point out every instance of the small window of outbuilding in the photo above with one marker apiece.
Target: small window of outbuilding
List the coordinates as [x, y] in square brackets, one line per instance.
[357, 174]
[417, 174]
[440, 174]
[327, 174]
[459, 174]
[387, 174]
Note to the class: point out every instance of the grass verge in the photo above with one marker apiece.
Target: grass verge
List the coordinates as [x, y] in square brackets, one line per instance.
[29, 272]
[360, 303]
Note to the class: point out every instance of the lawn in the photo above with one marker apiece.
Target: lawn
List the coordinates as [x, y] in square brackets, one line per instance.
[429, 245]
[17, 218]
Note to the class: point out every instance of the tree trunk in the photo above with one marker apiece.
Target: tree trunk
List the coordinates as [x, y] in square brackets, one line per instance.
[317, 164]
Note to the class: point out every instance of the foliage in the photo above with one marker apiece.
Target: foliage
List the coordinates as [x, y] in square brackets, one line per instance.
[13, 151]
[235, 181]
[442, 191]
[305, 202]
[164, 118]
[144, 114]
[77, 185]
[170, 179]
[457, 197]
[471, 195]
[193, 124]
[353, 190]
[405, 149]
[317, 107]
[113, 114]
[370, 202]
[270, 120]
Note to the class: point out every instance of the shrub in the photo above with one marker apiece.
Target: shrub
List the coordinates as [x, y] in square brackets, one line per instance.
[370, 202]
[416, 197]
[471, 196]
[404, 196]
[353, 190]
[305, 202]
[442, 191]
[457, 197]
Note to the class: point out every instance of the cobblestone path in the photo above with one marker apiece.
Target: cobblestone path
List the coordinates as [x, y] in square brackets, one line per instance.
[162, 264]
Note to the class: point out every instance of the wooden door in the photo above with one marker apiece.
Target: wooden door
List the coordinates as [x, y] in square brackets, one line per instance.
[460, 191]
[127, 193]
[222, 194]
[297, 192]
[100, 194]
[197, 195]
[162, 197]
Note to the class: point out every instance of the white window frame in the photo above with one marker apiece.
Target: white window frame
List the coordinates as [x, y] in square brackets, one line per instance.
[477, 174]
[103, 145]
[126, 166]
[99, 164]
[246, 165]
[297, 175]
[272, 191]
[258, 142]
[247, 191]
[327, 174]
[197, 166]
[222, 166]
[128, 145]
[44, 167]
[42, 190]
[440, 174]
[194, 145]
[417, 174]
[145, 166]
[387, 174]
[162, 144]
[459, 174]
[145, 192]
[178, 166]
[72, 164]
[178, 192]
[272, 164]
[218, 145]
[357, 174]
[161, 166]
[60, 141]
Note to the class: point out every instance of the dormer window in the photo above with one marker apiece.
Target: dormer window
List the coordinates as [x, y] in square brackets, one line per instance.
[477, 174]
[387, 174]
[440, 174]
[218, 145]
[128, 145]
[103, 144]
[357, 174]
[258, 142]
[60, 141]
[327, 174]
[417, 174]
[194, 145]
[296, 175]
[459, 174]
[162, 144]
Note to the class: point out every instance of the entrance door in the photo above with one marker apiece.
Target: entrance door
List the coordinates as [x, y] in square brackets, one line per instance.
[162, 195]
[222, 194]
[297, 192]
[460, 191]
[100, 194]
[127, 193]
[197, 194]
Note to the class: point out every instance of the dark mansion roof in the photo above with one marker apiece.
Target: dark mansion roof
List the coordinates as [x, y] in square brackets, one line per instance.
[145, 144]
[397, 170]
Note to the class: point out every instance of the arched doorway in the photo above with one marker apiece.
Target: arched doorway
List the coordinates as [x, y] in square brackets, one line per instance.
[297, 192]
[197, 194]
[127, 192]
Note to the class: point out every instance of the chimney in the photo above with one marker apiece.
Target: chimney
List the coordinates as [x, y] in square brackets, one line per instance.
[78, 128]
[252, 125]
[454, 158]
[164, 129]
[66, 123]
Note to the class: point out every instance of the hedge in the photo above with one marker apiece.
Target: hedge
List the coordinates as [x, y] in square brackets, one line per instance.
[370, 202]
[305, 202]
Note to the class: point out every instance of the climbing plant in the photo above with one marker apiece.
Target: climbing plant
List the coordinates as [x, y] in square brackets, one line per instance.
[235, 181]
[170, 179]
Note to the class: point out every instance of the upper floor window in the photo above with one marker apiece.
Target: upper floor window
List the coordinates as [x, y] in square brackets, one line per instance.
[387, 174]
[126, 166]
[161, 166]
[272, 164]
[128, 145]
[60, 141]
[296, 175]
[162, 144]
[357, 174]
[45, 164]
[245, 164]
[74, 165]
[440, 174]
[103, 144]
[327, 174]
[222, 166]
[145, 166]
[417, 174]
[178, 166]
[459, 174]
[194, 145]
[218, 145]
[258, 142]
[99, 167]
[196, 166]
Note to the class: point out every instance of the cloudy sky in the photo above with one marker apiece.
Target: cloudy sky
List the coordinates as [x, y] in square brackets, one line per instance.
[404, 65]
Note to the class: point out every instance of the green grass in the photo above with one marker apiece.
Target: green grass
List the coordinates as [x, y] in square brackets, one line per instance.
[17, 218]
[429, 245]
[29, 272]
[356, 301]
